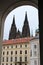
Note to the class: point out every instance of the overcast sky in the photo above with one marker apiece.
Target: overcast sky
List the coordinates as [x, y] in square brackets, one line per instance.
[19, 14]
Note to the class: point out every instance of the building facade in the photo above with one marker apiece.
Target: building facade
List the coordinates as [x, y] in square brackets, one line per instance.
[16, 52]
[21, 51]
[35, 50]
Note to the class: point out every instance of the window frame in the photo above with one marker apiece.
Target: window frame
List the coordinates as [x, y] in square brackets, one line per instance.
[25, 51]
[20, 51]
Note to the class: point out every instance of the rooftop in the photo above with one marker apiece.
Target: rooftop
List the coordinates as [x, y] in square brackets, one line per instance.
[16, 41]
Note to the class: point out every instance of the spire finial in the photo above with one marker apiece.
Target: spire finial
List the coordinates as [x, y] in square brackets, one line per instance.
[26, 13]
[14, 19]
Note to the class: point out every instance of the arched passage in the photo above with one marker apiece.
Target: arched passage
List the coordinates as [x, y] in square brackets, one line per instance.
[13, 6]
[10, 8]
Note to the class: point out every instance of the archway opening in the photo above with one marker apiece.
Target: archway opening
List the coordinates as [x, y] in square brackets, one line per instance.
[18, 16]
[19, 13]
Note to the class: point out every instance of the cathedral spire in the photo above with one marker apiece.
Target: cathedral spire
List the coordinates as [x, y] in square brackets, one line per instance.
[13, 21]
[26, 18]
[26, 29]
[12, 34]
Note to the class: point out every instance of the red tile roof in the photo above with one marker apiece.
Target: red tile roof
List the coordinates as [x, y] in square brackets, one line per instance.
[16, 41]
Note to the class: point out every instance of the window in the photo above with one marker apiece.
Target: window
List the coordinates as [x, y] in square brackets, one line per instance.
[11, 59]
[15, 52]
[11, 46]
[11, 64]
[25, 51]
[25, 45]
[20, 46]
[7, 52]
[6, 59]
[25, 64]
[11, 52]
[25, 58]
[20, 63]
[3, 53]
[35, 62]
[15, 64]
[35, 53]
[20, 58]
[2, 63]
[31, 53]
[3, 59]
[16, 46]
[6, 63]
[4, 47]
[35, 46]
[15, 58]
[20, 52]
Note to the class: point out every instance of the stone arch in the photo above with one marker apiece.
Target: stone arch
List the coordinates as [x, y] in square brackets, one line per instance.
[13, 6]
[10, 8]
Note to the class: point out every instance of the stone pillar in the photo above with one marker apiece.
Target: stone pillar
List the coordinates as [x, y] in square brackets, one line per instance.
[1, 37]
[0, 48]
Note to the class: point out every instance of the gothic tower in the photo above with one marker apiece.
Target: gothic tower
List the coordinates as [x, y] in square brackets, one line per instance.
[26, 29]
[13, 30]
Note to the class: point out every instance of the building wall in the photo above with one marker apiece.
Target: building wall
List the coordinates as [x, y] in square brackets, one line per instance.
[34, 52]
[13, 48]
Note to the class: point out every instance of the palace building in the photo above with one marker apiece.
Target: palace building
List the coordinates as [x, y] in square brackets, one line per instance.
[21, 51]
[16, 52]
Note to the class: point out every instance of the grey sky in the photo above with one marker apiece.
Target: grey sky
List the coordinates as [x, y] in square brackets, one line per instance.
[19, 13]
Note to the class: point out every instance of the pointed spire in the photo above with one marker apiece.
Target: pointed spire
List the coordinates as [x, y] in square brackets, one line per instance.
[26, 29]
[13, 30]
[26, 16]
[13, 20]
